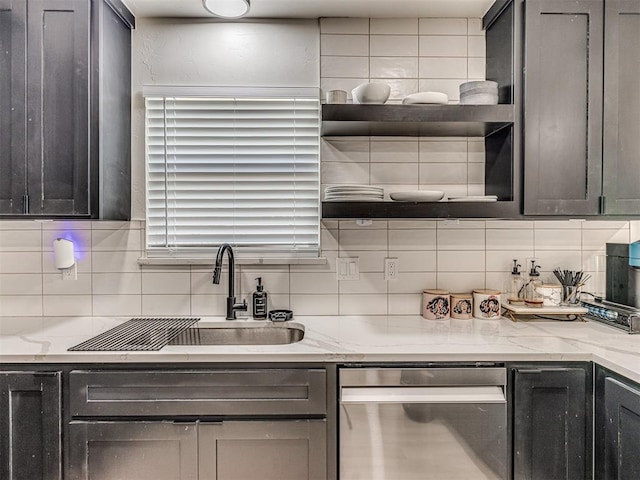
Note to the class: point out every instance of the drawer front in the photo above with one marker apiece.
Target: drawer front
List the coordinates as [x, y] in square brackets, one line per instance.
[197, 392]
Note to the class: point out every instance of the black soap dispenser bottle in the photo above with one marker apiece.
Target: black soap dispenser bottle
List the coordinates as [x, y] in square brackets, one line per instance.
[259, 301]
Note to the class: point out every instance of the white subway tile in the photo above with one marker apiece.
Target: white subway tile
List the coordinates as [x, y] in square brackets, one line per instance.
[363, 304]
[497, 280]
[509, 239]
[556, 239]
[502, 260]
[390, 173]
[504, 224]
[334, 150]
[66, 225]
[461, 224]
[20, 240]
[475, 189]
[419, 239]
[413, 224]
[338, 173]
[344, 26]
[367, 283]
[394, 67]
[405, 304]
[117, 305]
[106, 262]
[558, 224]
[354, 225]
[314, 283]
[21, 224]
[474, 26]
[551, 259]
[443, 67]
[117, 224]
[461, 239]
[53, 284]
[20, 284]
[328, 266]
[460, 261]
[443, 46]
[461, 281]
[278, 301]
[634, 230]
[606, 224]
[594, 261]
[443, 26]
[20, 262]
[476, 67]
[209, 305]
[394, 45]
[415, 260]
[443, 152]
[66, 305]
[363, 240]
[341, 66]
[165, 305]
[368, 261]
[400, 87]
[20, 306]
[476, 46]
[273, 281]
[349, 45]
[443, 173]
[117, 283]
[314, 304]
[328, 240]
[116, 240]
[202, 282]
[598, 239]
[394, 26]
[396, 152]
[411, 282]
[475, 173]
[154, 283]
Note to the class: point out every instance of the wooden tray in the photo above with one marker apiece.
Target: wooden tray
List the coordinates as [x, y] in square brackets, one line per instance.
[513, 311]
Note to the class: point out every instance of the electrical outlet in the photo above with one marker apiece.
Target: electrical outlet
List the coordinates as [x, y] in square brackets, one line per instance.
[391, 269]
[70, 273]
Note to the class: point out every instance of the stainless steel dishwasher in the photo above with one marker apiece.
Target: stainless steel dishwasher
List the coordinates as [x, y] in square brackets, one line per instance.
[423, 423]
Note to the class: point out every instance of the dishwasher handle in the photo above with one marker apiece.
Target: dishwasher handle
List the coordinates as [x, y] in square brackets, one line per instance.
[441, 395]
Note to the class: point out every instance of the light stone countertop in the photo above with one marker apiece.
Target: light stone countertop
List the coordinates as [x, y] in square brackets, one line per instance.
[346, 339]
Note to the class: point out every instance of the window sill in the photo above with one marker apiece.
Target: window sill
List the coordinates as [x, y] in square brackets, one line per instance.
[238, 261]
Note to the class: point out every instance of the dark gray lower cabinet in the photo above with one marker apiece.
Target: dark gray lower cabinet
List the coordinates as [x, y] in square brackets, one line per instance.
[552, 419]
[30, 426]
[617, 428]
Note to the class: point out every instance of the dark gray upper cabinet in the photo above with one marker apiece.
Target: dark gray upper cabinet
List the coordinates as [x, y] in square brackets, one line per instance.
[581, 148]
[621, 107]
[68, 65]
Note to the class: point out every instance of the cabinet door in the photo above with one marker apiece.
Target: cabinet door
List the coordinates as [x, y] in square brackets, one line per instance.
[563, 106]
[551, 424]
[263, 450]
[133, 450]
[621, 432]
[30, 422]
[58, 106]
[621, 107]
[13, 18]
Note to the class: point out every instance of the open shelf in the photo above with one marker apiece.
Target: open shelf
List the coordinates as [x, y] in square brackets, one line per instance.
[415, 120]
[391, 209]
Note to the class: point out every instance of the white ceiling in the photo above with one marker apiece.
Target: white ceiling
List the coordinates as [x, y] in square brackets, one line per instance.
[320, 8]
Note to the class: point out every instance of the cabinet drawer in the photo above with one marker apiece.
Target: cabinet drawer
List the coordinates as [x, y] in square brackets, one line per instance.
[197, 392]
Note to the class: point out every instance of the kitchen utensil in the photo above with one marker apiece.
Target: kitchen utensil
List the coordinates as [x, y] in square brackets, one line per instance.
[479, 93]
[371, 93]
[336, 96]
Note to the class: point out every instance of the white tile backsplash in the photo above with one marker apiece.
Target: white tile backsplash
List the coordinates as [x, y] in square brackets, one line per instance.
[393, 26]
[393, 45]
[443, 26]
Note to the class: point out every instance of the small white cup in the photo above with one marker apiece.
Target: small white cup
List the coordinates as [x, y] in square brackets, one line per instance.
[336, 96]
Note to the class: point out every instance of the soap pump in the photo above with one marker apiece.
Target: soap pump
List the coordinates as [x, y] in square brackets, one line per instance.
[260, 301]
[533, 295]
[515, 286]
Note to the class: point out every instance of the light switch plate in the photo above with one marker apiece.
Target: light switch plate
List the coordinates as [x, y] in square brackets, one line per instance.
[348, 268]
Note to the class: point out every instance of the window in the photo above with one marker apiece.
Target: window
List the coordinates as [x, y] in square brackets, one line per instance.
[238, 166]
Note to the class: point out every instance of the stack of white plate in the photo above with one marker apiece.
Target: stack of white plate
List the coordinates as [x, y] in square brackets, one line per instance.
[353, 193]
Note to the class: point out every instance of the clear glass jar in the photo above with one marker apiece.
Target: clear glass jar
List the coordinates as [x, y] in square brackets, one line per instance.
[532, 292]
[514, 287]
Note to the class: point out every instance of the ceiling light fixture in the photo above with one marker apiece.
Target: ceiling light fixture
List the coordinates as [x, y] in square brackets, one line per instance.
[227, 8]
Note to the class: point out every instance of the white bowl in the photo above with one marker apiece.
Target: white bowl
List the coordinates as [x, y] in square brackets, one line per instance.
[371, 93]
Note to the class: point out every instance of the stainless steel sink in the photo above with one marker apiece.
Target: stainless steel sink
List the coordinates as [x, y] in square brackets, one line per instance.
[229, 333]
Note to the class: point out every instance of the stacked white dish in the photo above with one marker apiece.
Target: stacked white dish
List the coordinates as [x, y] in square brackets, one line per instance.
[483, 92]
[426, 98]
[353, 193]
[417, 196]
[474, 198]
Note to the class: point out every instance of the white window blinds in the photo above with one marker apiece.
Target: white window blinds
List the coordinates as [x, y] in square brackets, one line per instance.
[240, 169]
